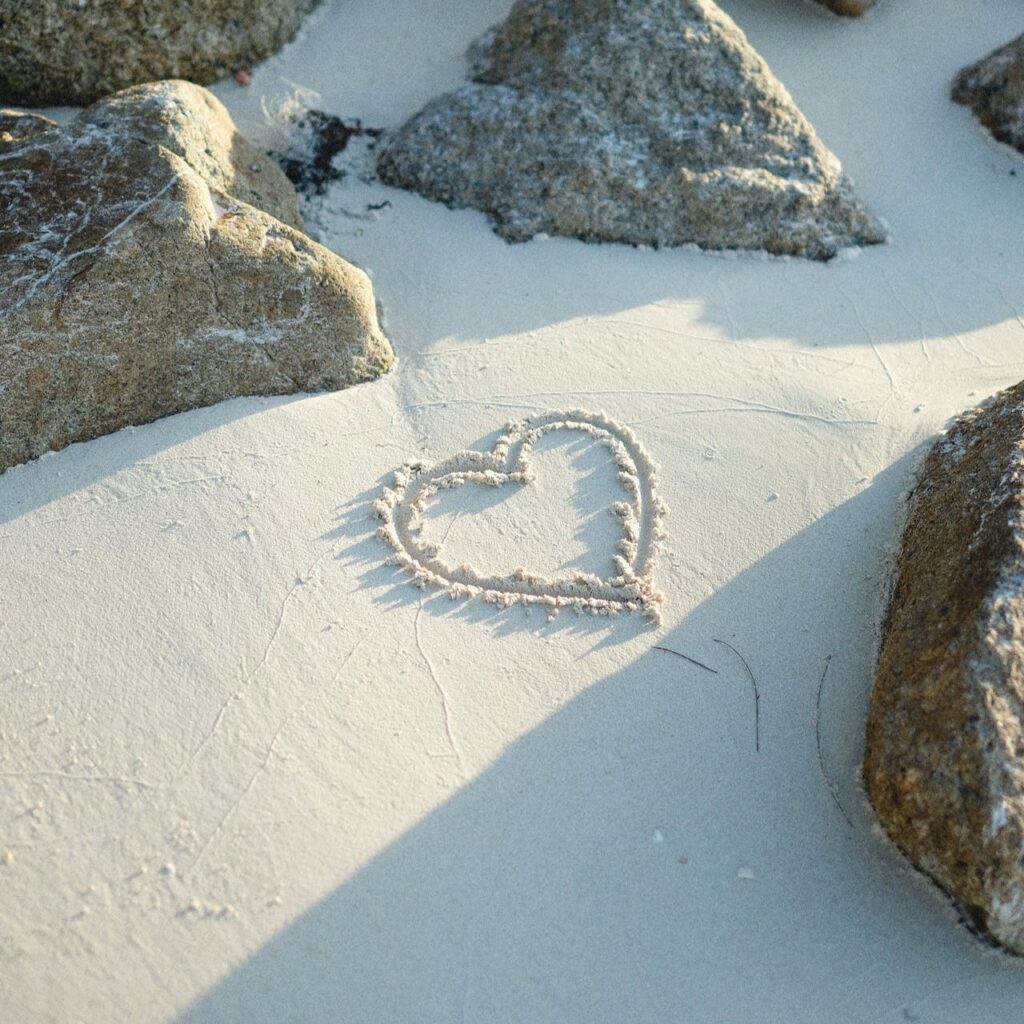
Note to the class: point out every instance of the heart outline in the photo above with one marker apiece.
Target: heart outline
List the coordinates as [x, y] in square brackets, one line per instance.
[630, 589]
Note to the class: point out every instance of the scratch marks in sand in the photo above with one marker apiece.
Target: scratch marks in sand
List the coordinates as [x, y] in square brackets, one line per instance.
[737, 405]
[270, 750]
[871, 341]
[630, 585]
[250, 677]
[757, 693]
[441, 692]
[829, 784]
[115, 780]
[686, 657]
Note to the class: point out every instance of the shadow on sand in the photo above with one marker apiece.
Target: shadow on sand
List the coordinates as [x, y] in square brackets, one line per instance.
[624, 860]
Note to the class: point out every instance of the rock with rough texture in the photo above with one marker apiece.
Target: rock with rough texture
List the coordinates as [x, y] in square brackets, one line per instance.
[139, 276]
[849, 8]
[58, 51]
[994, 89]
[651, 122]
[944, 761]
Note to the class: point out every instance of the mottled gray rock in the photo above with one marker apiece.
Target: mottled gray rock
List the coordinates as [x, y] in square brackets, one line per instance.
[643, 121]
[944, 760]
[994, 89]
[64, 51]
[136, 281]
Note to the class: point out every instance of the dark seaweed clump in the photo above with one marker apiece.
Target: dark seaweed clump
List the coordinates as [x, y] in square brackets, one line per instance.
[316, 139]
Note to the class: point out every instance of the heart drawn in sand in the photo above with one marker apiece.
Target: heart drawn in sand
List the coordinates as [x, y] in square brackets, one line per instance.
[629, 586]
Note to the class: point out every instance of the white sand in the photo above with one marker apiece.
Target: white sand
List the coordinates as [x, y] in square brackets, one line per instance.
[251, 773]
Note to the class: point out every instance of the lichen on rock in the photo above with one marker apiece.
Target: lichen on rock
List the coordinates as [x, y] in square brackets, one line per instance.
[139, 278]
[651, 122]
[944, 759]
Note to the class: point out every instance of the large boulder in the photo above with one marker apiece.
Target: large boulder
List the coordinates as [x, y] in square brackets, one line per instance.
[644, 121]
[59, 51]
[944, 761]
[150, 262]
[994, 89]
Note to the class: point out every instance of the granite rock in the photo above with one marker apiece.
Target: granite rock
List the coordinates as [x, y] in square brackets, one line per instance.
[651, 122]
[56, 51]
[944, 758]
[994, 89]
[139, 277]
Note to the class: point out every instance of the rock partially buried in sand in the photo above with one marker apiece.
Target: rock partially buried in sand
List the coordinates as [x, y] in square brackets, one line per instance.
[994, 89]
[944, 762]
[58, 51]
[849, 8]
[137, 278]
[651, 122]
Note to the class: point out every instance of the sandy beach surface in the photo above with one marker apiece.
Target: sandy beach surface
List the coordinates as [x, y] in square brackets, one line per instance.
[250, 772]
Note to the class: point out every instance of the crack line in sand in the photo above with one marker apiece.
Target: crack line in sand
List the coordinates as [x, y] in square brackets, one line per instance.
[832, 788]
[756, 690]
[72, 777]
[264, 765]
[442, 694]
[631, 585]
[964, 347]
[238, 692]
[871, 341]
[906, 309]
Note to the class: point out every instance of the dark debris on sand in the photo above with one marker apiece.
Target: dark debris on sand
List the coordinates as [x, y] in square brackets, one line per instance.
[317, 138]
